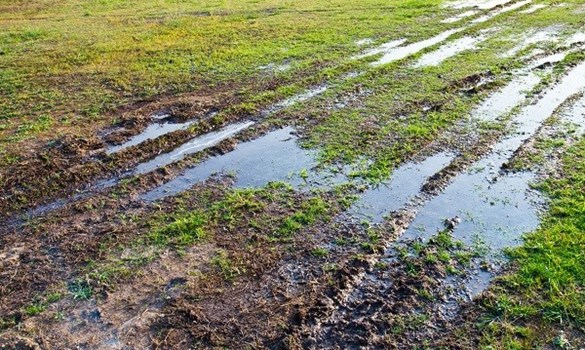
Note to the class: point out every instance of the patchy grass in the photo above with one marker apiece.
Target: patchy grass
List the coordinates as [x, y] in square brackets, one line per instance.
[73, 63]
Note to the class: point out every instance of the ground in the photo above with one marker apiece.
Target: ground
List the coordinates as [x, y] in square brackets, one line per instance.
[321, 174]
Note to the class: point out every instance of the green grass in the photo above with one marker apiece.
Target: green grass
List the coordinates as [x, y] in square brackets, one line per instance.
[80, 290]
[309, 212]
[72, 62]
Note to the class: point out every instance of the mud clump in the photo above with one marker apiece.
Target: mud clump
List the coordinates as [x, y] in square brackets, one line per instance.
[18, 343]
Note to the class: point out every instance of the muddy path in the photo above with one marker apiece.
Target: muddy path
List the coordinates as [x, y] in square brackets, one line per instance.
[194, 225]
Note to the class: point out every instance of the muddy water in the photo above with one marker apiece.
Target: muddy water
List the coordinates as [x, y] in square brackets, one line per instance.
[380, 49]
[550, 34]
[150, 133]
[576, 38]
[449, 50]
[273, 67]
[575, 115]
[404, 185]
[302, 97]
[492, 206]
[273, 157]
[514, 93]
[195, 145]
[507, 98]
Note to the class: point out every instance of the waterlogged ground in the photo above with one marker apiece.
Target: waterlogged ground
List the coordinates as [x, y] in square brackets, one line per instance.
[313, 174]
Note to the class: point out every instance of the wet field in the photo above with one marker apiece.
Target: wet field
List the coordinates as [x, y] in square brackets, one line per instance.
[372, 205]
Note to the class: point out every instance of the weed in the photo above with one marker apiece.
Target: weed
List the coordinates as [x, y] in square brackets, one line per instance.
[182, 232]
[80, 290]
[227, 268]
[320, 252]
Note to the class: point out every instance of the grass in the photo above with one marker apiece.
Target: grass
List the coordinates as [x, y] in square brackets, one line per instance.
[80, 290]
[310, 211]
[228, 268]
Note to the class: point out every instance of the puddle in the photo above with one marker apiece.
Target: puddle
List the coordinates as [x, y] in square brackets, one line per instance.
[512, 7]
[195, 145]
[273, 67]
[575, 115]
[507, 98]
[380, 49]
[533, 8]
[555, 58]
[211, 139]
[514, 93]
[459, 17]
[364, 42]
[152, 132]
[401, 52]
[575, 39]
[302, 97]
[550, 34]
[404, 185]
[493, 208]
[449, 50]
[272, 157]
[480, 4]
[495, 212]
[395, 51]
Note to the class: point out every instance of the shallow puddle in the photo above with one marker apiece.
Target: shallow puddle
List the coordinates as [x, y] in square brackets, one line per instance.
[272, 157]
[211, 139]
[514, 93]
[273, 67]
[459, 17]
[151, 132]
[491, 204]
[503, 101]
[550, 34]
[197, 144]
[533, 8]
[489, 208]
[401, 52]
[449, 50]
[575, 115]
[405, 184]
[380, 49]
[364, 42]
[509, 8]
[302, 97]
[576, 38]
[480, 4]
[398, 52]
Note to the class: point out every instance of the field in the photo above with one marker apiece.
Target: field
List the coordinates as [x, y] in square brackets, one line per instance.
[262, 174]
